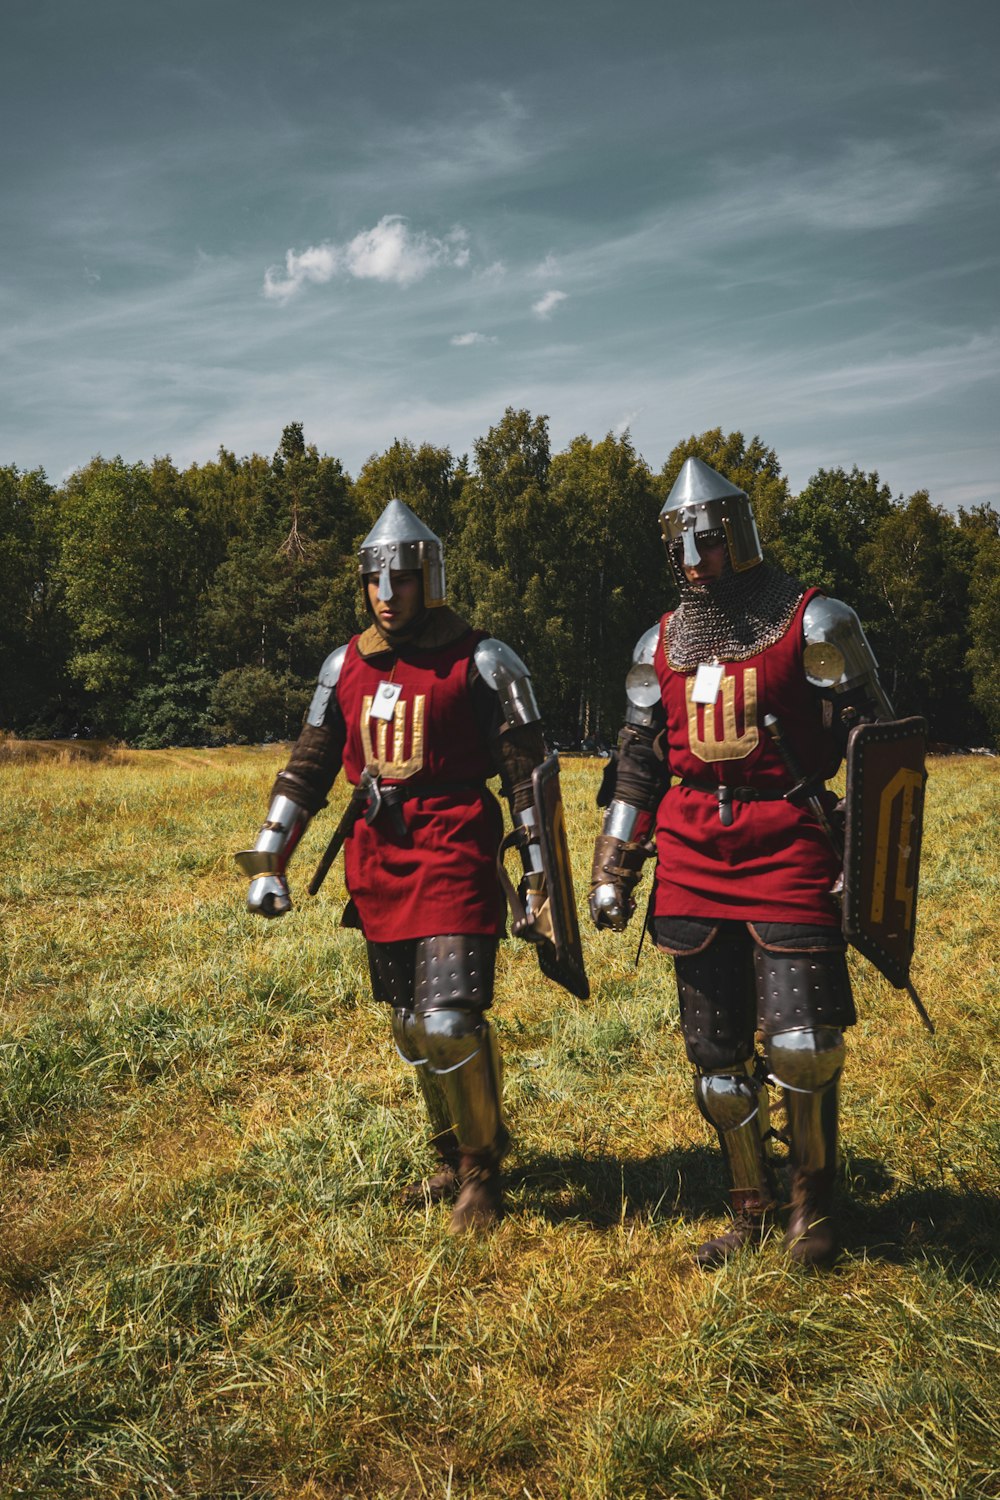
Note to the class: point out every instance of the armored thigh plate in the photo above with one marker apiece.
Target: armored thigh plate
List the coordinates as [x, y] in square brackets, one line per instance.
[392, 966]
[715, 990]
[454, 970]
[802, 989]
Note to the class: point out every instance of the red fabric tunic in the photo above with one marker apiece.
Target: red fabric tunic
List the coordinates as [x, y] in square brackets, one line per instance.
[773, 864]
[440, 876]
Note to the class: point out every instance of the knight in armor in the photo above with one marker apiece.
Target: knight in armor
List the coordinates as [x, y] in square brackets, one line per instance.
[419, 710]
[752, 676]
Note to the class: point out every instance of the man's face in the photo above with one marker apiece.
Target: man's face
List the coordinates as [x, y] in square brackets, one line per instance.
[401, 610]
[712, 551]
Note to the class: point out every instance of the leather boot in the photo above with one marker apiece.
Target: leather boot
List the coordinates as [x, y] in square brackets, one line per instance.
[751, 1220]
[442, 1186]
[811, 1237]
[480, 1193]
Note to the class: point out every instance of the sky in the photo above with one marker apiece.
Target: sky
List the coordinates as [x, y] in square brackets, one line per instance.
[396, 218]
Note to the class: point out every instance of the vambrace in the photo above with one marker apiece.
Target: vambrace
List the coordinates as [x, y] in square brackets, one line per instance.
[620, 852]
[265, 863]
[633, 785]
[735, 1104]
[807, 1066]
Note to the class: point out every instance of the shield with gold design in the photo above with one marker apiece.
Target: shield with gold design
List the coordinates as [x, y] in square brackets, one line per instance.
[560, 958]
[885, 811]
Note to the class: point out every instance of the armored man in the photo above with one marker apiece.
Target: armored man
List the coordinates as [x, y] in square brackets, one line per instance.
[419, 710]
[739, 706]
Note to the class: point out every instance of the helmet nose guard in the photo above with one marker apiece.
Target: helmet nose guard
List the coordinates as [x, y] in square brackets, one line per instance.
[702, 500]
[399, 542]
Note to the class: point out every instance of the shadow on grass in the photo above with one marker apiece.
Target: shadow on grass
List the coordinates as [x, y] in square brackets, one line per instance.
[602, 1190]
[878, 1220]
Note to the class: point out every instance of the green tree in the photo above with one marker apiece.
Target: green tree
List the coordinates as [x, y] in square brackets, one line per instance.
[982, 525]
[918, 562]
[427, 478]
[824, 529]
[612, 579]
[35, 697]
[286, 591]
[124, 566]
[507, 556]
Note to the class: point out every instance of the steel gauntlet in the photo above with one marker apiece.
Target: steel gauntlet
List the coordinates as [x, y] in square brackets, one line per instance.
[265, 863]
[620, 852]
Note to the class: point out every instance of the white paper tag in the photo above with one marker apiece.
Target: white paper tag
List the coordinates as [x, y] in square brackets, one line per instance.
[385, 700]
[707, 681]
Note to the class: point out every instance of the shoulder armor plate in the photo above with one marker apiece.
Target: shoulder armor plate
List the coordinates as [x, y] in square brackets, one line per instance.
[837, 656]
[645, 646]
[642, 686]
[329, 676]
[502, 669]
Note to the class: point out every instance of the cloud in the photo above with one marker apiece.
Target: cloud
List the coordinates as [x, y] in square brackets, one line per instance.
[390, 252]
[624, 424]
[545, 305]
[546, 269]
[464, 340]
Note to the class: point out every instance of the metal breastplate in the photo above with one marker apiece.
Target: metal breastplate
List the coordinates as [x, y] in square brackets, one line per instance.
[732, 619]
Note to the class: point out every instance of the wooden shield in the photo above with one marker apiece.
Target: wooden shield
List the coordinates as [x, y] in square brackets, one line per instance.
[885, 811]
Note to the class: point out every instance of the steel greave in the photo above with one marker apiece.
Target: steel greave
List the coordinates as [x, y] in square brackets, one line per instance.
[736, 1105]
[464, 1063]
[807, 1065]
[408, 1034]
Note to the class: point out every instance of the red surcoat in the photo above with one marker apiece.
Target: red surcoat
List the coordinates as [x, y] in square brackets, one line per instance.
[773, 863]
[439, 877]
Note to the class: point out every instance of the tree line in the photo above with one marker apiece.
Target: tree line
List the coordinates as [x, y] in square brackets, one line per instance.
[163, 606]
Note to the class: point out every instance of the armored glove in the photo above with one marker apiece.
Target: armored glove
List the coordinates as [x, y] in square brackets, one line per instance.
[269, 896]
[616, 871]
[265, 863]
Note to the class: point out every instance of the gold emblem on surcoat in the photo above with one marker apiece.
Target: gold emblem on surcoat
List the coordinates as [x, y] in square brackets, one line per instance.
[397, 765]
[733, 744]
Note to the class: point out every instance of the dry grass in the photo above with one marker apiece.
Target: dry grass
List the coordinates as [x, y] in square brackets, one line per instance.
[206, 1288]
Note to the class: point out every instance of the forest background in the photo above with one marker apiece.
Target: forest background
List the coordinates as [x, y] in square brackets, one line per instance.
[161, 606]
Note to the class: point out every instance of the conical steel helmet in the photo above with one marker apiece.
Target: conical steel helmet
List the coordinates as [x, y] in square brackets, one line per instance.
[399, 542]
[702, 500]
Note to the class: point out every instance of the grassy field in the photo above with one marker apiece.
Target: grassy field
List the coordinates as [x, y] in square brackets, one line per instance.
[206, 1286]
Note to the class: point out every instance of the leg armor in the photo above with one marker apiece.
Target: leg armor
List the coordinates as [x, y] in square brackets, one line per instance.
[408, 1034]
[454, 985]
[735, 1103]
[393, 975]
[464, 1063]
[715, 988]
[804, 1001]
[807, 1066]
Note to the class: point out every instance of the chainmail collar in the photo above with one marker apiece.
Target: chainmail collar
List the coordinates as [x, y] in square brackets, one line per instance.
[731, 619]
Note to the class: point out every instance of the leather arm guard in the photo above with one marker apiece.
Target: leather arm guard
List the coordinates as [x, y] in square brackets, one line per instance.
[620, 852]
[634, 782]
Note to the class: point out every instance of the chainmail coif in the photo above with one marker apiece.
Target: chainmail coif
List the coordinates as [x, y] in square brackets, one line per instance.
[732, 618]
